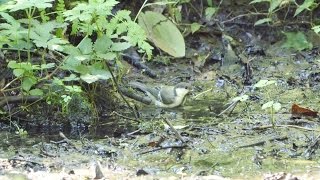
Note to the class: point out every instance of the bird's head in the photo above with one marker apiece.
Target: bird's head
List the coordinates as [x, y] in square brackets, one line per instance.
[182, 89]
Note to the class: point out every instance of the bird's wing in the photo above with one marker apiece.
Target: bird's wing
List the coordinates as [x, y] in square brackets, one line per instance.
[167, 95]
[153, 91]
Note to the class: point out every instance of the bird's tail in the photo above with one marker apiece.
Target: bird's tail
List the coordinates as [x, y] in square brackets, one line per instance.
[138, 85]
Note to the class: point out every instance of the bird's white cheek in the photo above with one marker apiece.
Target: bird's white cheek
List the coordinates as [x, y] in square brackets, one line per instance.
[182, 91]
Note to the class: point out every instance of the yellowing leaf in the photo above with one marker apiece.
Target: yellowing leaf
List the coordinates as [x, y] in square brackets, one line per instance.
[163, 33]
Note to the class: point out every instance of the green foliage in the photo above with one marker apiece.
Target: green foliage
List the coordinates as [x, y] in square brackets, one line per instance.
[30, 4]
[26, 72]
[42, 33]
[271, 105]
[307, 5]
[316, 29]
[60, 8]
[276, 5]
[210, 12]
[297, 41]
[12, 33]
[195, 27]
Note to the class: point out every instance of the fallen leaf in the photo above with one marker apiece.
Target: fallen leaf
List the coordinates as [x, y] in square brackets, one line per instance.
[298, 111]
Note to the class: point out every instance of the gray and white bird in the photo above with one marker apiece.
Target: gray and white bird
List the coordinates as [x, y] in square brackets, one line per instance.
[164, 96]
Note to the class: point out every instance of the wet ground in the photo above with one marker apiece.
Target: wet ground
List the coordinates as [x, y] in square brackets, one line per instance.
[229, 127]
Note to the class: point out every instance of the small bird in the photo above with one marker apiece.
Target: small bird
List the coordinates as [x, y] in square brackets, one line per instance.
[164, 96]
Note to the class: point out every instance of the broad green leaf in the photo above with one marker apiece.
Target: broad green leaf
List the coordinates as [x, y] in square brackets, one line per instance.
[262, 21]
[305, 6]
[274, 4]
[47, 66]
[107, 56]
[195, 27]
[85, 45]
[297, 41]
[82, 69]
[96, 72]
[24, 65]
[209, 12]
[88, 78]
[36, 92]
[163, 33]
[71, 50]
[18, 72]
[102, 44]
[13, 65]
[72, 77]
[120, 46]
[28, 82]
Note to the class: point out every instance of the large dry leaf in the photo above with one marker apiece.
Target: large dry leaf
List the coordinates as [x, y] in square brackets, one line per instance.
[163, 33]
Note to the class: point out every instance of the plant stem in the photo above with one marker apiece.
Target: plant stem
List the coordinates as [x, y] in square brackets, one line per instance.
[117, 86]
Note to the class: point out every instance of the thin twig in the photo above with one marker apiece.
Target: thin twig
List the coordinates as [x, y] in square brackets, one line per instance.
[174, 130]
[160, 148]
[123, 116]
[206, 91]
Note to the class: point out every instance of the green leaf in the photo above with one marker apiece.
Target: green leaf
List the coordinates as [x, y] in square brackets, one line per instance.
[13, 65]
[262, 21]
[72, 77]
[103, 44]
[36, 92]
[96, 72]
[163, 33]
[24, 65]
[259, 1]
[276, 106]
[28, 82]
[195, 27]
[267, 105]
[42, 35]
[76, 89]
[107, 56]
[13, 32]
[263, 83]
[85, 45]
[274, 4]
[47, 66]
[120, 46]
[88, 78]
[209, 12]
[305, 6]
[26, 4]
[18, 72]
[296, 41]
[316, 29]
[87, 11]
